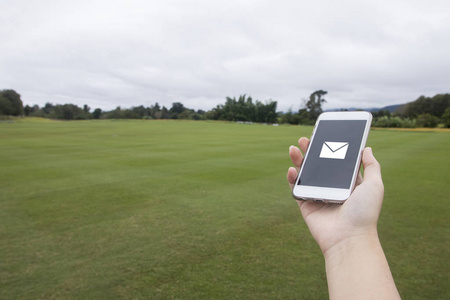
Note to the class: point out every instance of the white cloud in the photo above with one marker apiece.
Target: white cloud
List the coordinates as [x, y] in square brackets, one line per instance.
[111, 53]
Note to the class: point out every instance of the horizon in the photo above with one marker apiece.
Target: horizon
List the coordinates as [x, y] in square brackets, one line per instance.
[197, 109]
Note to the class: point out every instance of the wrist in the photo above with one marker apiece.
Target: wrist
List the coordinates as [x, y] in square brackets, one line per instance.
[357, 268]
[355, 242]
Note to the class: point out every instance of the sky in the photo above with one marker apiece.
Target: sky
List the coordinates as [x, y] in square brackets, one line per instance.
[109, 53]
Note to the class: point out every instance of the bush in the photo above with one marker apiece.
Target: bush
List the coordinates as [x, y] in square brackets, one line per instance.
[395, 122]
[427, 120]
[446, 117]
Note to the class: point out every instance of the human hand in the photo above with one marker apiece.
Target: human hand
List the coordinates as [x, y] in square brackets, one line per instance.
[347, 234]
[332, 224]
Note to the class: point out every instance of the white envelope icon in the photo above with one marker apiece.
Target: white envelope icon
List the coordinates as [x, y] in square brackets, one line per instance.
[334, 150]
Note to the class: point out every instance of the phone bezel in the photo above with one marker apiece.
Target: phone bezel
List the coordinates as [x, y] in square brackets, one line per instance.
[329, 194]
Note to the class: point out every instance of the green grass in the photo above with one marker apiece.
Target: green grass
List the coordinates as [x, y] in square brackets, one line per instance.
[196, 210]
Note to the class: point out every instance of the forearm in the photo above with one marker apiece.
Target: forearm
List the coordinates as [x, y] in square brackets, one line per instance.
[357, 269]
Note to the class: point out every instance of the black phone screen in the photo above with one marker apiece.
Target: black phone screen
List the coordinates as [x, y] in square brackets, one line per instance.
[333, 154]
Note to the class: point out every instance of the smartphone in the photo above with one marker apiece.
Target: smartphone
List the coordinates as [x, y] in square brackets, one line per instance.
[333, 158]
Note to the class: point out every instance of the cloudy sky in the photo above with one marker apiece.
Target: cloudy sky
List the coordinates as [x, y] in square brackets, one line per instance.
[108, 53]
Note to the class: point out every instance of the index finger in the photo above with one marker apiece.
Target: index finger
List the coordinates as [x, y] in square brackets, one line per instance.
[303, 143]
[295, 153]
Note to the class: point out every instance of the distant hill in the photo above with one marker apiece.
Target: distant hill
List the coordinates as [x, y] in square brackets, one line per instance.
[391, 108]
[435, 106]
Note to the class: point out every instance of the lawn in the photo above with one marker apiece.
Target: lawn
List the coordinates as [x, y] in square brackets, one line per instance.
[197, 210]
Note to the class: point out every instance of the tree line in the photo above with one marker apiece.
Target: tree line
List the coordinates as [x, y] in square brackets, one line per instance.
[423, 112]
[244, 108]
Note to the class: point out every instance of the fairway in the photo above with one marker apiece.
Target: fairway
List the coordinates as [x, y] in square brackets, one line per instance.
[197, 210]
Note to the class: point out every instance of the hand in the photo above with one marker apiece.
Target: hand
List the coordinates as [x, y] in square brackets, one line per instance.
[347, 234]
[332, 224]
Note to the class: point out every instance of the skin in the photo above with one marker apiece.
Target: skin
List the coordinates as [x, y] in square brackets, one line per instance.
[347, 234]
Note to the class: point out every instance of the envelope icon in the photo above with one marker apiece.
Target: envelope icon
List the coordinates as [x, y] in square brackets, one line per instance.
[334, 150]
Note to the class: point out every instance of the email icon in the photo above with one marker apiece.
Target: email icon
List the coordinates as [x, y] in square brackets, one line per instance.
[334, 150]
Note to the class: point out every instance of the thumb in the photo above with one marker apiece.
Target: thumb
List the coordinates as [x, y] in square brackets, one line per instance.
[372, 169]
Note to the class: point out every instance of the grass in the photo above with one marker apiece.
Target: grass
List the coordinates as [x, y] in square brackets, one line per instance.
[196, 210]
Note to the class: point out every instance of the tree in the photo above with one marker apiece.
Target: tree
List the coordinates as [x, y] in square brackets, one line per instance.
[27, 110]
[266, 113]
[155, 111]
[6, 107]
[304, 117]
[314, 105]
[15, 105]
[176, 109]
[115, 114]
[186, 114]
[35, 111]
[68, 112]
[434, 106]
[139, 111]
[446, 117]
[244, 109]
[381, 113]
[48, 108]
[97, 113]
[427, 120]
[164, 113]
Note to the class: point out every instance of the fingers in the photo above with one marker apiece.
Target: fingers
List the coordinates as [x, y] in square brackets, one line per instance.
[291, 176]
[295, 153]
[296, 156]
[359, 179]
[297, 159]
[303, 143]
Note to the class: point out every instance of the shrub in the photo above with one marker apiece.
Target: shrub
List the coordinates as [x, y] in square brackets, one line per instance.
[446, 117]
[427, 120]
[396, 122]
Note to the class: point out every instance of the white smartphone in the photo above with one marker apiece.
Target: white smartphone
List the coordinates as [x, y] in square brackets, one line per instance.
[333, 158]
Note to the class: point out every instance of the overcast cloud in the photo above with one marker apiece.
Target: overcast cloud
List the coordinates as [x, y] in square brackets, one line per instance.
[112, 53]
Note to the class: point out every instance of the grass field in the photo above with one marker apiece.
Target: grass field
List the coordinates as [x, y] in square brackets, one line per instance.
[197, 210]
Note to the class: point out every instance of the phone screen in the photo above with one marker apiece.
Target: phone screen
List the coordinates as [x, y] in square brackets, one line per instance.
[333, 154]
